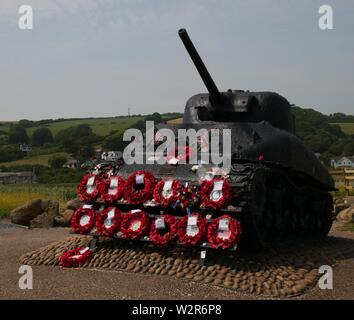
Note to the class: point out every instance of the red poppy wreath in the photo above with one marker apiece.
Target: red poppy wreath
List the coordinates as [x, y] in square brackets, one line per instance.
[88, 189]
[112, 189]
[76, 257]
[167, 192]
[224, 232]
[164, 230]
[191, 229]
[139, 187]
[108, 222]
[216, 193]
[135, 224]
[83, 220]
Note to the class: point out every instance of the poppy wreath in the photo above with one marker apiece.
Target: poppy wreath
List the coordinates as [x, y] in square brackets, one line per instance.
[216, 241]
[105, 189]
[189, 197]
[161, 237]
[135, 196]
[191, 240]
[102, 228]
[83, 191]
[225, 194]
[172, 198]
[77, 224]
[127, 224]
[75, 258]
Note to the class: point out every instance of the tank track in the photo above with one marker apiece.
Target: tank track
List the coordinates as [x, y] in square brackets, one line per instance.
[277, 208]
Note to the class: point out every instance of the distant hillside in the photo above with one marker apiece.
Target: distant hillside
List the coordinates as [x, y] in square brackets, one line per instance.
[100, 126]
[330, 135]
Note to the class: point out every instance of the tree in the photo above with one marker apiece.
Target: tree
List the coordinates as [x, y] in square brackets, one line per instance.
[10, 153]
[17, 134]
[114, 142]
[41, 136]
[57, 161]
[24, 123]
[156, 117]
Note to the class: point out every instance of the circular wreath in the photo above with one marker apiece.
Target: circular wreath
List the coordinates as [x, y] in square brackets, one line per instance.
[135, 196]
[180, 153]
[216, 199]
[83, 220]
[106, 226]
[109, 194]
[76, 257]
[165, 236]
[169, 199]
[135, 224]
[83, 192]
[191, 240]
[189, 196]
[234, 233]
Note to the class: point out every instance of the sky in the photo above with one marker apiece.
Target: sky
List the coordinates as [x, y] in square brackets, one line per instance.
[89, 58]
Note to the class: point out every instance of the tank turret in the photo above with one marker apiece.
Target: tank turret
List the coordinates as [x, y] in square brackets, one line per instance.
[233, 105]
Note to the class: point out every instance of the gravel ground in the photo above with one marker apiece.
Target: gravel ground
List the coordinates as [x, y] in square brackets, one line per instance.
[57, 283]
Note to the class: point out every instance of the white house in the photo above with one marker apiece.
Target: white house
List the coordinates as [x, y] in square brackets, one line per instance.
[344, 162]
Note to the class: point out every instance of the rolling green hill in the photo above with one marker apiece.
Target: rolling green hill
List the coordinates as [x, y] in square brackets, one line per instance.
[100, 126]
[347, 128]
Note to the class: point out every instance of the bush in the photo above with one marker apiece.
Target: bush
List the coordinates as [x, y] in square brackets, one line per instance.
[57, 161]
[42, 136]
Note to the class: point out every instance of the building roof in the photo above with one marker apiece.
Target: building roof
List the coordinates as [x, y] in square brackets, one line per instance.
[18, 174]
[351, 159]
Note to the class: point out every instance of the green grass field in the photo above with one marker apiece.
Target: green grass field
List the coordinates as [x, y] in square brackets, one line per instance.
[13, 196]
[347, 128]
[34, 160]
[100, 126]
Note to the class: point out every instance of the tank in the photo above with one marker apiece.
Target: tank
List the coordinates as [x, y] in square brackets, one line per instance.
[280, 190]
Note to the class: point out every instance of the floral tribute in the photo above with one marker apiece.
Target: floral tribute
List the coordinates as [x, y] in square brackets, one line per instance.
[135, 224]
[83, 220]
[216, 193]
[88, 189]
[108, 222]
[112, 189]
[224, 232]
[189, 197]
[167, 192]
[191, 229]
[164, 230]
[139, 187]
[75, 258]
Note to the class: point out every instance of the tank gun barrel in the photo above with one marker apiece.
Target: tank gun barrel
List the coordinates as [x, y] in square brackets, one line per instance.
[199, 64]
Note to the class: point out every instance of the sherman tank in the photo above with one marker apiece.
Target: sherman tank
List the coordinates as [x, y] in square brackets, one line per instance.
[280, 190]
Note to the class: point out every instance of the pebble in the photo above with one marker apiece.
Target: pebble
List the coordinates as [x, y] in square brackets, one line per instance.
[276, 273]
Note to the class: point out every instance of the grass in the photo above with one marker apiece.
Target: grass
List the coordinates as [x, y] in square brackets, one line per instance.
[100, 126]
[347, 128]
[41, 159]
[175, 121]
[13, 196]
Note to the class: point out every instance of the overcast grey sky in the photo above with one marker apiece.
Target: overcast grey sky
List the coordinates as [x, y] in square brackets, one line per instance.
[97, 58]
